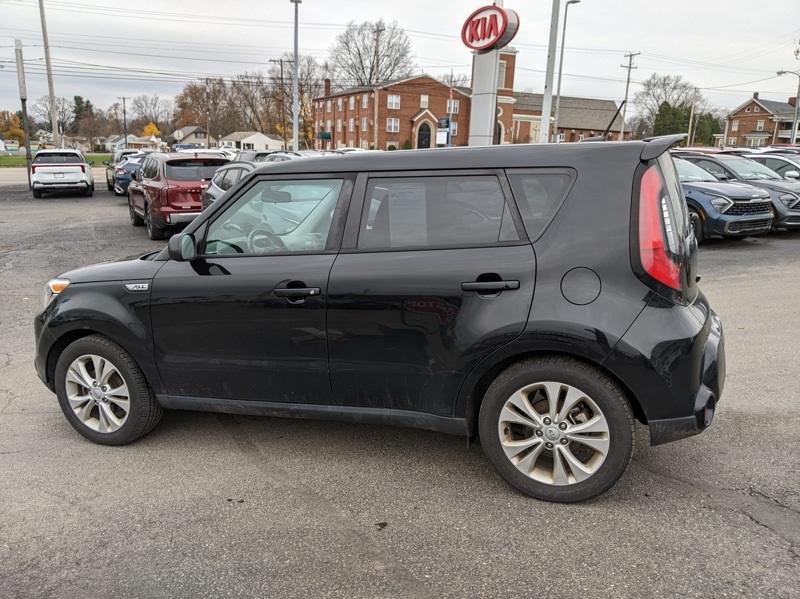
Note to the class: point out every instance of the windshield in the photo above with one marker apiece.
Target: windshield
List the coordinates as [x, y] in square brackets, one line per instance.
[688, 172]
[195, 169]
[748, 169]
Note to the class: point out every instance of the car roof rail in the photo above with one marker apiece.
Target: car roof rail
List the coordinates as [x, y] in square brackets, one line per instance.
[655, 146]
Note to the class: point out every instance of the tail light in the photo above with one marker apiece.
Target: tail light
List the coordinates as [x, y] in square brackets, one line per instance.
[33, 169]
[656, 231]
[83, 168]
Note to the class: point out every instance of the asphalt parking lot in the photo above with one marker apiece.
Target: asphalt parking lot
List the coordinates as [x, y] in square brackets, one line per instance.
[228, 506]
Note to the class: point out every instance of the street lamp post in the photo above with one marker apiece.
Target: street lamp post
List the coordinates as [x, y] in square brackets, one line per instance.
[796, 99]
[561, 65]
[295, 85]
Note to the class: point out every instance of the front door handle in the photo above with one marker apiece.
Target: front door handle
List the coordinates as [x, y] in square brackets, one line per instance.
[489, 286]
[295, 292]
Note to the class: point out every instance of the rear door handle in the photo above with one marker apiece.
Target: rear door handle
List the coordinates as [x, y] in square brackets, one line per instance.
[489, 286]
[297, 291]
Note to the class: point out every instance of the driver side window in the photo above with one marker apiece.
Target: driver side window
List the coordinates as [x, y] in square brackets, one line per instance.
[276, 217]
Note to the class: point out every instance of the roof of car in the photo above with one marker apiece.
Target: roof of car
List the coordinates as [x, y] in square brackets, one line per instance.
[186, 155]
[59, 151]
[473, 157]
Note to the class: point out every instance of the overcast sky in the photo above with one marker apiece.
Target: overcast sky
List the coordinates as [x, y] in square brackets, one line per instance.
[728, 48]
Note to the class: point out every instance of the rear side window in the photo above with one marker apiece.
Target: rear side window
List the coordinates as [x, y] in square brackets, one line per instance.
[230, 178]
[194, 169]
[435, 212]
[58, 158]
[539, 194]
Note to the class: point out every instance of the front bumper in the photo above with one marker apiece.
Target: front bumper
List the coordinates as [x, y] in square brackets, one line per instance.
[784, 217]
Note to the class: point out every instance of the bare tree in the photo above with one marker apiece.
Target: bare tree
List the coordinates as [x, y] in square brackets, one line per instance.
[367, 53]
[64, 111]
[456, 80]
[657, 89]
[310, 84]
[152, 109]
[208, 103]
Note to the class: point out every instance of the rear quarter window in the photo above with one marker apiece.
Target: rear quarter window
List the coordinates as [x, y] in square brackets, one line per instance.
[539, 194]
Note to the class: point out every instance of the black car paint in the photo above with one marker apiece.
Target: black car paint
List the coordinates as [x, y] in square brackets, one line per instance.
[401, 317]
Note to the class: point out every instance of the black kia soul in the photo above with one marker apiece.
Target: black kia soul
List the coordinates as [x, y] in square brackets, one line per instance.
[541, 297]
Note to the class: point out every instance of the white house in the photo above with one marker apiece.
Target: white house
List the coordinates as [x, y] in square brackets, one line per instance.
[250, 140]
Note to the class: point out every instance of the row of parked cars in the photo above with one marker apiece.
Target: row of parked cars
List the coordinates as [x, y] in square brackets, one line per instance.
[168, 190]
[738, 193]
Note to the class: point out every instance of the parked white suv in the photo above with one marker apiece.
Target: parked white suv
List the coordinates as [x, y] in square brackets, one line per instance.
[60, 170]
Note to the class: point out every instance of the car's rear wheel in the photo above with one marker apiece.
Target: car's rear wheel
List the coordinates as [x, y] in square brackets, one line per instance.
[110, 185]
[697, 223]
[557, 429]
[89, 192]
[103, 392]
[37, 193]
[136, 220]
[153, 232]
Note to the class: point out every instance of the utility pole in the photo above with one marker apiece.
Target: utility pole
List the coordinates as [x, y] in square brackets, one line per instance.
[796, 104]
[295, 84]
[630, 56]
[279, 62]
[547, 101]
[691, 119]
[208, 116]
[561, 67]
[124, 120]
[373, 76]
[50, 88]
[23, 97]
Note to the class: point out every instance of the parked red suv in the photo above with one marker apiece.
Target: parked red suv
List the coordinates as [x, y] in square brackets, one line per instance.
[167, 192]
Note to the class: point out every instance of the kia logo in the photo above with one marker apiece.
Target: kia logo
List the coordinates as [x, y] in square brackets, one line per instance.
[489, 28]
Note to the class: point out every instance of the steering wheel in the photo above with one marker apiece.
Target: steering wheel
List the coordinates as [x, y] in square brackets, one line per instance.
[235, 247]
[262, 240]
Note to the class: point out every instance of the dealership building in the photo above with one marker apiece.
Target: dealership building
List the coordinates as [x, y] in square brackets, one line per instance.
[405, 113]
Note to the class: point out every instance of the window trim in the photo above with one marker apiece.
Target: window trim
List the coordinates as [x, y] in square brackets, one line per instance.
[389, 101]
[333, 242]
[358, 199]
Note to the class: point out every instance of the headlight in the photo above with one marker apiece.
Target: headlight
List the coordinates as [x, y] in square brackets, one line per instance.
[721, 203]
[789, 199]
[53, 288]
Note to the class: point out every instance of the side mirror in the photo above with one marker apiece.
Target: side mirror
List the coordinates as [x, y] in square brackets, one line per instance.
[792, 174]
[722, 176]
[182, 248]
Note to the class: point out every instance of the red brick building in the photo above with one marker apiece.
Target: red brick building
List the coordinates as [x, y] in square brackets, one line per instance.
[403, 114]
[758, 122]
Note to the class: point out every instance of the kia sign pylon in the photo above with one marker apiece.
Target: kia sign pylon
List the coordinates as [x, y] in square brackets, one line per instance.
[489, 28]
[485, 32]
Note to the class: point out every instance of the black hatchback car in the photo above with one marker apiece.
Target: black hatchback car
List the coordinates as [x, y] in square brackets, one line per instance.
[519, 293]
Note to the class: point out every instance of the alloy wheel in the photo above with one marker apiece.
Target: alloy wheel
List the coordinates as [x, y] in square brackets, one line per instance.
[97, 393]
[554, 433]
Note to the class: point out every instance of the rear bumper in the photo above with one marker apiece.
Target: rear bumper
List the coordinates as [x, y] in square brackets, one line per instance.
[180, 218]
[672, 360]
[83, 184]
[705, 400]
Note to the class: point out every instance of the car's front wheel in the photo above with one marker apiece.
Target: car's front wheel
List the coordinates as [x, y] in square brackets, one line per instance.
[557, 429]
[103, 392]
[697, 223]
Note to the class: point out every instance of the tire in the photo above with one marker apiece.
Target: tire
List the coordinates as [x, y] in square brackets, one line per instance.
[537, 474]
[89, 192]
[109, 185]
[697, 221]
[136, 220]
[37, 193]
[735, 237]
[153, 232]
[143, 413]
